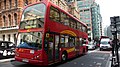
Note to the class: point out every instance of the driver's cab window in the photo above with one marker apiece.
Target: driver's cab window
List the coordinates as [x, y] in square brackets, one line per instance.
[30, 40]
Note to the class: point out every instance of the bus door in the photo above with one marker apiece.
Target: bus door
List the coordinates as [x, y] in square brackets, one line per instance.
[57, 38]
[50, 48]
[53, 50]
[77, 47]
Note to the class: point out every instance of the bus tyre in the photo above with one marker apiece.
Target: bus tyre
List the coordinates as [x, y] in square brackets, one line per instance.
[64, 57]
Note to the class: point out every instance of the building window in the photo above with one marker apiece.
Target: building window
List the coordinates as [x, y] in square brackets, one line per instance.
[3, 37]
[9, 16]
[70, 0]
[9, 37]
[38, 0]
[4, 20]
[89, 29]
[81, 10]
[10, 3]
[86, 10]
[4, 4]
[15, 19]
[15, 39]
[16, 3]
[25, 2]
[0, 6]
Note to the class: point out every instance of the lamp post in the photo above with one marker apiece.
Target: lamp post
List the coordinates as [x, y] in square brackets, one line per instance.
[115, 28]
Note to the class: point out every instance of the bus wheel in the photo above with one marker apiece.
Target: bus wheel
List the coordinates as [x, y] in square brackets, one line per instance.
[64, 57]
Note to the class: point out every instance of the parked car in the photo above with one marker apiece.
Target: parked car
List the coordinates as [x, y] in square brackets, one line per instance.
[91, 45]
[105, 44]
[6, 49]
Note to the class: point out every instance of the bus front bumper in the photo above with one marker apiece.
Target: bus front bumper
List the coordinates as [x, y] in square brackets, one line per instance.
[29, 61]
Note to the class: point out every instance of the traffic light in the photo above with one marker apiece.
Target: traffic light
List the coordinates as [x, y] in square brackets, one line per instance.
[115, 25]
[115, 29]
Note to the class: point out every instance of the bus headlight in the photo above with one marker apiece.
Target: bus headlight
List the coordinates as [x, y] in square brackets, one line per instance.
[36, 57]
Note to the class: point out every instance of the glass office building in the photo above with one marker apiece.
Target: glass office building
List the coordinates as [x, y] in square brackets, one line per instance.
[90, 14]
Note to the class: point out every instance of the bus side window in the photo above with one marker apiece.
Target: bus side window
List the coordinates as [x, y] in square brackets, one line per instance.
[46, 44]
[64, 19]
[62, 41]
[66, 41]
[77, 41]
[71, 41]
[54, 14]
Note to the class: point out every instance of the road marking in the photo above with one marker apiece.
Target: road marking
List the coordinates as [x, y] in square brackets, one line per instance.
[82, 64]
[91, 65]
[101, 58]
[103, 52]
[75, 63]
[99, 64]
[95, 62]
[6, 60]
[91, 51]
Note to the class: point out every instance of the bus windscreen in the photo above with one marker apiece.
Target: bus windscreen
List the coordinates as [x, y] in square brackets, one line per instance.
[32, 40]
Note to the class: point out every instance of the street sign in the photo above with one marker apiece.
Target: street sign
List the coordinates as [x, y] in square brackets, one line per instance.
[117, 19]
[118, 26]
[112, 28]
[112, 20]
[115, 29]
[115, 23]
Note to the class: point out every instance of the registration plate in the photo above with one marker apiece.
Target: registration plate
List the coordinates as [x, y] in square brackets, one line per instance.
[25, 60]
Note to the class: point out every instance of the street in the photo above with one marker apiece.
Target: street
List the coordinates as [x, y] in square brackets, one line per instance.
[94, 58]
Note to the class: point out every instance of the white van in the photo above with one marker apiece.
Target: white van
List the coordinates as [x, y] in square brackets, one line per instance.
[105, 44]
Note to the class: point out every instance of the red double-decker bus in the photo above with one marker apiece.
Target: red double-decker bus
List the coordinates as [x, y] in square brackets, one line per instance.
[47, 34]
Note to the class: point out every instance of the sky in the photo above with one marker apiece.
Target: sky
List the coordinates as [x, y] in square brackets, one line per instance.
[108, 8]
